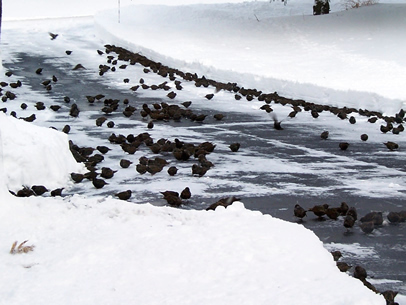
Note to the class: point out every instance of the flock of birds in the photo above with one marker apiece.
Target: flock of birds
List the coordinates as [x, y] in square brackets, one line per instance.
[349, 216]
[181, 151]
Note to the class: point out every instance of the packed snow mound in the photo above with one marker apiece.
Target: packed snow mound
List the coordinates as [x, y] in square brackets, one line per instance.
[340, 58]
[34, 155]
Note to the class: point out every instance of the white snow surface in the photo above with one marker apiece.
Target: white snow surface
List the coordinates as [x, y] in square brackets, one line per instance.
[104, 251]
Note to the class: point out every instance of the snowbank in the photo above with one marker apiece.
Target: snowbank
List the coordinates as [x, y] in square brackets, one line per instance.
[34, 156]
[273, 47]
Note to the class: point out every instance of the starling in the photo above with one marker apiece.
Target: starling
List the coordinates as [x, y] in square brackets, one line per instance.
[57, 192]
[299, 211]
[99, 183]
[343, 145]
[172, 170]
[74, 110]
[336, 255]
[150, 125]
[54, 78]
[319, 210]
[186, 104]
[364, 137]
[391, 145]
[66, 129]
[375, 217]
[209, 96]
[324, 135]
[103, 149]
[78, 66]
[124, 195]
[100, 52]
[53, 36]
[23, 106]
[39, 189]
[124, 163]
[107, 173]
[367, 227]
[360, 273]
[234, 147]
[349, 221]
[55, 107]
[344, 267]
[186, 194]
[353, 213]
[276, 123]
[352, 120]
[219, 116]
[77, 177]
[394, 217]
[38, 71]
[171, 95]
[141, 168]
[100, 121]
[68, 52]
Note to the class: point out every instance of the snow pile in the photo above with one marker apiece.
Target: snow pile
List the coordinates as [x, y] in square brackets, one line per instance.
[34, 156]
[106, 251]
[273, 47]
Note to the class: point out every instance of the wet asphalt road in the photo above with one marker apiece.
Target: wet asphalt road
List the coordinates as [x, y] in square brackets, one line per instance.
[290, 145]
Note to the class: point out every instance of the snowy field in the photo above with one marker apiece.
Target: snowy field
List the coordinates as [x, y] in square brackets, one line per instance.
[97, 250]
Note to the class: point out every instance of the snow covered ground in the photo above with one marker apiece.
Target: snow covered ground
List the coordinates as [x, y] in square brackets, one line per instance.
[100, 250]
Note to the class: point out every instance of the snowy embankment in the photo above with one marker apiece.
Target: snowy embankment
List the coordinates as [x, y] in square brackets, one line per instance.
[105, 251]
[348, 58]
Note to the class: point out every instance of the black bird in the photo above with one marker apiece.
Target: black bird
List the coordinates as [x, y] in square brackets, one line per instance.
[172, 170]
[124, 195]
[66, 129]
[78, 66]
[100, 52]
[367, 227]
[107, 173]
[39, 189]
[57, 192]
[124, 163]
[209, 96]
[54, 78]
[150, 125]
[360, 273]
[336, 255]
[100, 121]
[55, 107]
[40, 106]
[8, 73]
[332, 213]
[343, 145]
[66, 99]
[186, 194]
[319, 210]
[324, 135]
[349, 221]
[343, 209]
[394, 217]
[53, 36]
[99, 183]
[68, 52]
[187, 104]
[391, 145]
[141, 168]
[218, 116]
[103, 149]
[352, 120]
[110, 124]
[343, 267]
[276, 123]
[171, 95]
[299, 211]
[38, 71]
[23, 106]
[364, 137]
[77, 177]
[31, 118]
[375, 217]
[353, 213]
[234, 147]
[74, 110]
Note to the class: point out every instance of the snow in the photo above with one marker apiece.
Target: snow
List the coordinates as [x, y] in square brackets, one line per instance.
[98, 250]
